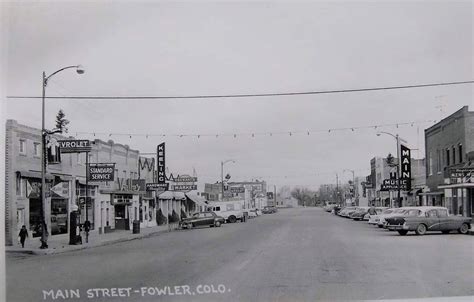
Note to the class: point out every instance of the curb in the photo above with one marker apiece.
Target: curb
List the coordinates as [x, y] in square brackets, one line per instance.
[66, 249]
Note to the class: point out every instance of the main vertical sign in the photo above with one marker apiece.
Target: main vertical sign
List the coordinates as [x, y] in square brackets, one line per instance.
[160, 154]
[405, 166]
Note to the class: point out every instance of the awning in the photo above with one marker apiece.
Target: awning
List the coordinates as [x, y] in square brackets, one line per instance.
[457, 186]
[198, 200]
[83, 182]
[63, 177]
[432, 193]
[34, 174]
[172, 195]
[117, 192]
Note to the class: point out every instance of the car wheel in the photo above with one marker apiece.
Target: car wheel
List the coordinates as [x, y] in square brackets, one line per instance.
[403, 232]
[464, 228]
[445, 232]
[421, 229]
[232, 219]
[217, 224]
[380, 226]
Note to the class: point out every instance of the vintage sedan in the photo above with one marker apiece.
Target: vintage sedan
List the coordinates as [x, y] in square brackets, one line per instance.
[202, 219]
[269, 210]
[360, 213]
[429, 219]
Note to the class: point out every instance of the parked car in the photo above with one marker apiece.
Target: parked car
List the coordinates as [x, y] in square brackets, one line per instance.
[253, 213]
[382, 217]
[374, 219]
[429, 219]
[202, 219]
[359, 213]
[347, 211]
[269, 210]
[336, 210]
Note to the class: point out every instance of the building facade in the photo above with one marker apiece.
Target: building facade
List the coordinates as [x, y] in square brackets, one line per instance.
[112, 205]
[449, 146]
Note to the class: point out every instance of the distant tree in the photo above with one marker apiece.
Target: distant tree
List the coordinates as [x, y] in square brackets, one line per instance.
[61, 121]
[391, 162]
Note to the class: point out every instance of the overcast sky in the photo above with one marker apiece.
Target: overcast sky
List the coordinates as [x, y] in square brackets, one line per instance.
[165, 49]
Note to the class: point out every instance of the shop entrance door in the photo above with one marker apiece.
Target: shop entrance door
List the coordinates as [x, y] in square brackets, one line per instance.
[35, 217]
[121, 219]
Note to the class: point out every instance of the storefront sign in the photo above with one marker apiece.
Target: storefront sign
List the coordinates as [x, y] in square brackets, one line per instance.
[157, 186]
[74, 146]
[185, 178]
[462, 175]
[61, 189]
[183, 187]
[140, 184]
[392, 185]
[405, 166]
[237, 189]
[160, 152]
[101, 172]
[127, 185]
[33, 189]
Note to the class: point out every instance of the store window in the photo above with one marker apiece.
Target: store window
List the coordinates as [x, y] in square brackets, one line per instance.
[438, 156]
[22, 147]
[59, 217]
[37, 149]
[430, 164]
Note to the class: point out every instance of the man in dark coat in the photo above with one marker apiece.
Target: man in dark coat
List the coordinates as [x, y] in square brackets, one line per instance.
[23, 234]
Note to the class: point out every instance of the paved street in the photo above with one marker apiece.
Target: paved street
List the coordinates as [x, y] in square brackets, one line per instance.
[302, 254]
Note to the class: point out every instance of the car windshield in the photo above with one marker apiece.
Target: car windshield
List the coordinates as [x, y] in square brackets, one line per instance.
[389, 211]
[413, 212]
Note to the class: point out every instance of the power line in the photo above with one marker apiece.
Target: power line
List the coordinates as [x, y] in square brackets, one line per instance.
[242, 95]
[253, 134]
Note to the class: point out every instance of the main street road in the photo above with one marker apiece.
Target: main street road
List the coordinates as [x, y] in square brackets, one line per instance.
[302, 254]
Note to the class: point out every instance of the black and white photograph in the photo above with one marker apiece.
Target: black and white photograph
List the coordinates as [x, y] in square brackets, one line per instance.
[238, 151]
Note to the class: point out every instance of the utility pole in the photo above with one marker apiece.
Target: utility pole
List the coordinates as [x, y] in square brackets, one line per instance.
[398, 170]
[337, 190]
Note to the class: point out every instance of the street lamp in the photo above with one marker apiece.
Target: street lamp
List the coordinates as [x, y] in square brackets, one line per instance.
[44, 133]
[398, 140]
[222, 174]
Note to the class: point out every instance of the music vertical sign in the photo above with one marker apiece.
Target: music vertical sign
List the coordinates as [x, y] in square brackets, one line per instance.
[160, 154]
[405, 166]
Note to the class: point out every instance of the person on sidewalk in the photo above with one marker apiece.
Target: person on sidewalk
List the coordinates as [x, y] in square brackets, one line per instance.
[23, 234]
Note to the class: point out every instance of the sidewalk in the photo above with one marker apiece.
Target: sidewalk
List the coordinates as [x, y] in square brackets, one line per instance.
[60, 243]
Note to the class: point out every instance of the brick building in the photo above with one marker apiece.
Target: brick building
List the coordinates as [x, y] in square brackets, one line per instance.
[449, 146]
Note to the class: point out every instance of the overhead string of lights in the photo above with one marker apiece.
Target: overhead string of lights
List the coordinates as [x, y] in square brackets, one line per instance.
[253, 134]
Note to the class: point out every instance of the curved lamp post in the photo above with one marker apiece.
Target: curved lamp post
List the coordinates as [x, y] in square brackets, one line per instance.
[398, 140]
[44, 133]
[222, 174]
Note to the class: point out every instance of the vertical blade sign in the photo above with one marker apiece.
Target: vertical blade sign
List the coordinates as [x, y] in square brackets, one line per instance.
[160, 154]
[406, 165]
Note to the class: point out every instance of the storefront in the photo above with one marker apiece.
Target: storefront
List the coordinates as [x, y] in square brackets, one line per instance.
[86, 203]
[459, 198]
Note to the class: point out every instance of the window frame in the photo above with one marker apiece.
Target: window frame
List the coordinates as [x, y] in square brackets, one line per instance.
[22, 146]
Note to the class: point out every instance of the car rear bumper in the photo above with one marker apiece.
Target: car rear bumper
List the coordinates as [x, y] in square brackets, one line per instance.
[397, 227]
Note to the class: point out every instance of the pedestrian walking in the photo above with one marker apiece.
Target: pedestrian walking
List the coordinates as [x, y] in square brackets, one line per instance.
[23, 234]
